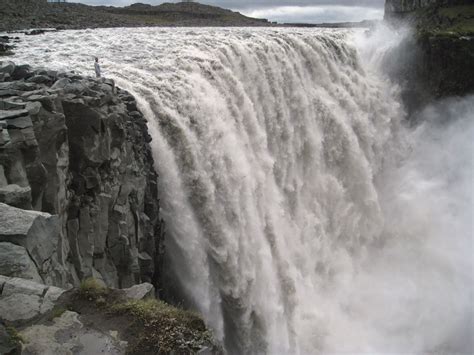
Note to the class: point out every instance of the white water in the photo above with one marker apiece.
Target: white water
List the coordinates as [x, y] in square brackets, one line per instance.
[302, 216]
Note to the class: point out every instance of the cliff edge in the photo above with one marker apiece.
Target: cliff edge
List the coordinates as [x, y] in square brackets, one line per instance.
[78, 190]
[438, 59]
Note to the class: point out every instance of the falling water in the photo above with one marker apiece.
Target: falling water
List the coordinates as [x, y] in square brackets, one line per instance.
[302, 216]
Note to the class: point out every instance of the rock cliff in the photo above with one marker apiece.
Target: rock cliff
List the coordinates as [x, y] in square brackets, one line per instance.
[78, 191]
[438, 59]
[403, 8]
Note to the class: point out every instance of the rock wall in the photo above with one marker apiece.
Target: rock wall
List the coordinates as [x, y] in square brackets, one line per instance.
[437, 60]
[401, 8]
[78, 192]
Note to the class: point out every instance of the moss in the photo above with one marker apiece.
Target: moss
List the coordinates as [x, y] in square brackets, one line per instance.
[93, 290]
[456, 12]
[463, 28]
[453, 21]
[165, 328]
[14, 335]
[149, 326]
[56, 312]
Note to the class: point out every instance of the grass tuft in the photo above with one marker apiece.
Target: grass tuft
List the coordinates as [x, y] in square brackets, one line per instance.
[92, 290]
[15, 336]
[165, 328]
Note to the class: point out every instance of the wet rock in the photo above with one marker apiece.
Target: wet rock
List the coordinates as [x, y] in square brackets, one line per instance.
[35, 32]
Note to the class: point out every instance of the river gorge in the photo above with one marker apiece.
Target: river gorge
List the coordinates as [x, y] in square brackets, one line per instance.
[305, 212]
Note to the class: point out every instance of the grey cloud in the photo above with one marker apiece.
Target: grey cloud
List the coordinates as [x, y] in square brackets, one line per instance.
[316, 14]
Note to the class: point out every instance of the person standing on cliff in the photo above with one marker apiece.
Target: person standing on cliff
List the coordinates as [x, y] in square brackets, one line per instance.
[97, 67]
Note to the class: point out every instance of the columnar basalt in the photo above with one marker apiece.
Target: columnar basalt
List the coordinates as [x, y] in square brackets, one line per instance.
[76, 149]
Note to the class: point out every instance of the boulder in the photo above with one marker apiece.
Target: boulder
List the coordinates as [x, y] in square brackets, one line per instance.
[22, 72]
[16, 285]
[7, 67]
[139, 292]
[37, 232]
[19, 308]
[23, 300]
[40, 79]
[16, 196]
[15, 262]
[61, 84]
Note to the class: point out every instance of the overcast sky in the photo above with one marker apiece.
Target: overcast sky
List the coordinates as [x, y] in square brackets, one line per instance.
[309, 11]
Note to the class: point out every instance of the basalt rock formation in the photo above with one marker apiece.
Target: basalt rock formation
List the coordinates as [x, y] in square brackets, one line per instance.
[78, 191]
[438, 59]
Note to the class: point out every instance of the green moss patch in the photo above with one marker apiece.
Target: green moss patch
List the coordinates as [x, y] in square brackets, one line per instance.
[164, 328]
[453, 21]
[149, 326]
[457, 12]
[15, 337]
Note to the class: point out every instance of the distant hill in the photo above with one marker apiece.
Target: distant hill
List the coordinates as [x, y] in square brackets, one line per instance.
[187, 14]
[24, 14]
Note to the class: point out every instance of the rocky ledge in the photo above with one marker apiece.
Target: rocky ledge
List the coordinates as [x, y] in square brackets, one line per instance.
[81, 239]
[36, 319]
[78, 191]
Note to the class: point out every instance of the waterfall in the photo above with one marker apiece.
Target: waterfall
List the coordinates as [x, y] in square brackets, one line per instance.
[292, 191]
